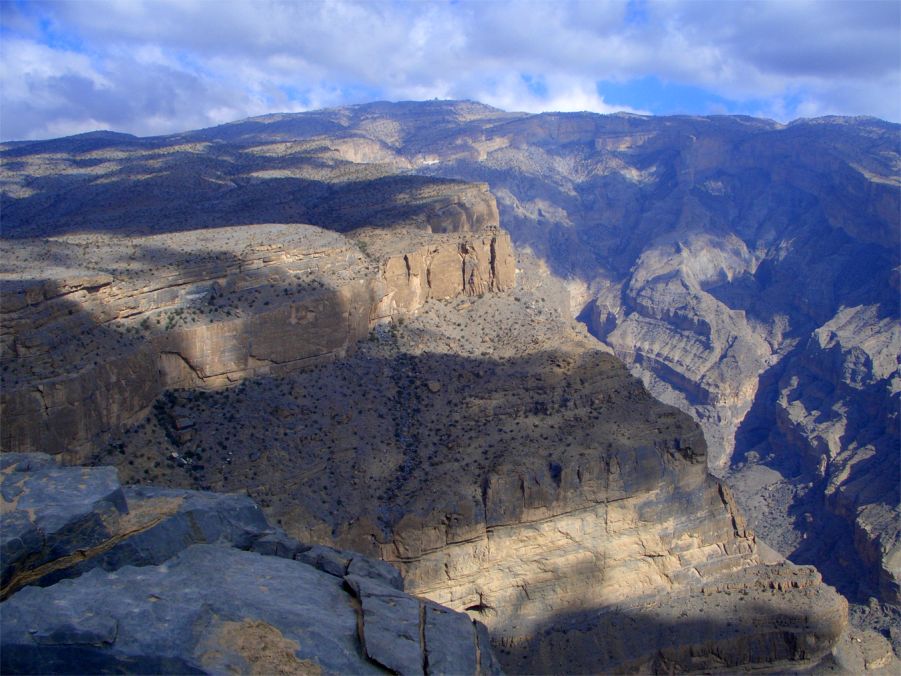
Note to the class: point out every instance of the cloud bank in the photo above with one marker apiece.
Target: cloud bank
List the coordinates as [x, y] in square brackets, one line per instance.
[161, 66]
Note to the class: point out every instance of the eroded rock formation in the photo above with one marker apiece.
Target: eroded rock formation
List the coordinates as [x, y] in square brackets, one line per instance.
[84, 351]
[489, 448]
[508, 467]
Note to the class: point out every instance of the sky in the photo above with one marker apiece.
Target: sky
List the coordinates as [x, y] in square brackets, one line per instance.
[161, 66]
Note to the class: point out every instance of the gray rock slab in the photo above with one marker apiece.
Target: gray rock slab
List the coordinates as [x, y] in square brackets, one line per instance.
[210, 609]
[277, 543]
[326, 559]
[376, 570]
[52, 512]
[488, 663]
[391, 625]
[339, 563]
[451, 646]
[201, 517]
[167, 521]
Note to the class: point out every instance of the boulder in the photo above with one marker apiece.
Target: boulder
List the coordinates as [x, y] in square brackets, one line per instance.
[210, 609]
[53, 515]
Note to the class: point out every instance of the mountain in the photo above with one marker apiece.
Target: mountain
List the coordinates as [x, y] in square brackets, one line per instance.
[399, 393]
[745, 270]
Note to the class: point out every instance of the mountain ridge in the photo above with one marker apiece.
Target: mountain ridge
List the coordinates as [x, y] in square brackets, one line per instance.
[744, 270]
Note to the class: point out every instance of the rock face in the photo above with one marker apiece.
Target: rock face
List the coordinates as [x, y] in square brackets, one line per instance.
[507, 467]
[200, 309]
[839, 426]
[498, 455]
[732, 263]
[151, 599]
[707, 252]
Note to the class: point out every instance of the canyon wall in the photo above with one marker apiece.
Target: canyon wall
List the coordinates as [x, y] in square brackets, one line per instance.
[85, 353]
[477, 439]
[509, 469]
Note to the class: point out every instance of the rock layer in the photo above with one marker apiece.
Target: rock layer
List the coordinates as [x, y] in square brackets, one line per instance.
[90, 348]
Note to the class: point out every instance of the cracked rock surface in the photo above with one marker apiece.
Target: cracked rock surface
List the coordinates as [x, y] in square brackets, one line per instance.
[154, 601]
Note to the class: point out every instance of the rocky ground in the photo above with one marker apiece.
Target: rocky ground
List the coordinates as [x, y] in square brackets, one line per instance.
[155, 580]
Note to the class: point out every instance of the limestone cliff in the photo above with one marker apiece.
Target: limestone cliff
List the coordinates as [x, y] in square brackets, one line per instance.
[117, 320]
[507, 467]
[505, 460]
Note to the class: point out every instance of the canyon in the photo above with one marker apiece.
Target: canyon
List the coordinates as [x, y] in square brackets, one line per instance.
[404, 382]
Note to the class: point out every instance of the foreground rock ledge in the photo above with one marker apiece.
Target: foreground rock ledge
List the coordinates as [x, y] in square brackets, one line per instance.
[210, 608]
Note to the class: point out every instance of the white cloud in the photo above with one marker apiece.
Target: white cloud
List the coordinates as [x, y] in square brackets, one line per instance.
[169, 65]
[564, 93]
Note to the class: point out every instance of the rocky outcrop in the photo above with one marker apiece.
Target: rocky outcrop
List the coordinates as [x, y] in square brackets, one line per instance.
[52, 514]
[440, 270]
[215, 609]
[834, 398]
[505, 466]
[59, 522]
[146, 596]
[121, 319]
[713, 253]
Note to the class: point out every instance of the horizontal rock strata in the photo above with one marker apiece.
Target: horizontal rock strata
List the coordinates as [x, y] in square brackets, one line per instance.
[118, 320]
[507, 468]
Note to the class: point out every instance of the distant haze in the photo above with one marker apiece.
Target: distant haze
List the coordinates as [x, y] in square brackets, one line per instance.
[163, 66]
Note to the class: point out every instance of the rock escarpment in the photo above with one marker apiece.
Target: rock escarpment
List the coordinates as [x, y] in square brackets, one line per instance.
[714, 255]
[508, 467]
[117, 320]
[144, 593]
[484, 444]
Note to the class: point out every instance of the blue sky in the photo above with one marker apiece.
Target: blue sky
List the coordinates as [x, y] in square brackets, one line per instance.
[161, 66]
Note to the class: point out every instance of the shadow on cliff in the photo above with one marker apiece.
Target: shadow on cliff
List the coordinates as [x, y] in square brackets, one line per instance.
[706, 634]
[188, 200]
[824, 517]
[353, 446]
[72, 379]
[59, 369]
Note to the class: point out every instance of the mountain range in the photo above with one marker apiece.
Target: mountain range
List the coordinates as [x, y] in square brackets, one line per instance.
[436, 369]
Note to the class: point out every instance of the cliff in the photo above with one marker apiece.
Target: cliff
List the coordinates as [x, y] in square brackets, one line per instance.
[117, 320]
[390, 391]
[486, 447]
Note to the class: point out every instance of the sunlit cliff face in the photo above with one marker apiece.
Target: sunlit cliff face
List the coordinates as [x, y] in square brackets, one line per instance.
[122, 319]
